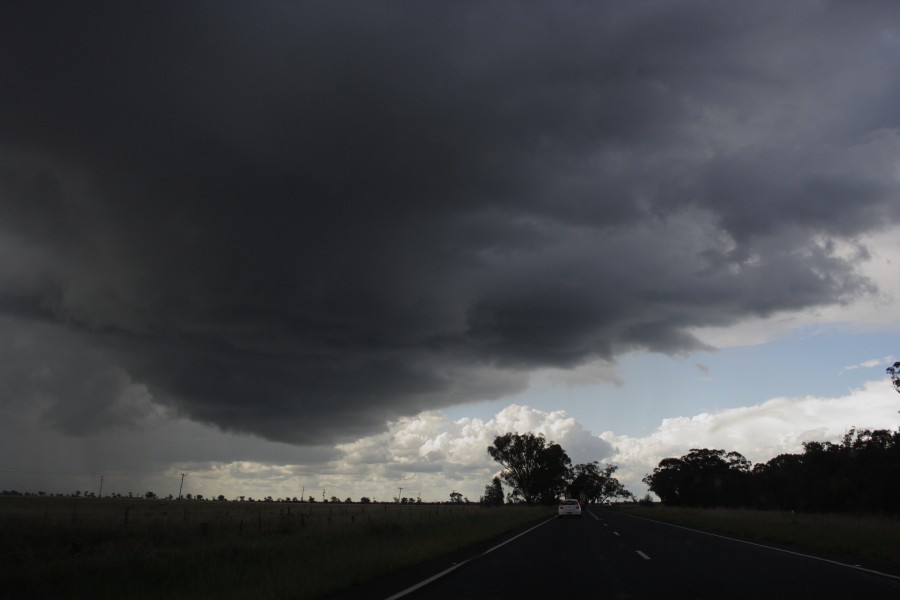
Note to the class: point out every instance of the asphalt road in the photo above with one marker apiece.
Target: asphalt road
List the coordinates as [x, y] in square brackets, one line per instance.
[610, 555]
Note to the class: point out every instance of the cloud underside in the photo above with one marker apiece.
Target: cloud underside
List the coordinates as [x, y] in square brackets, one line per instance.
[301, 221]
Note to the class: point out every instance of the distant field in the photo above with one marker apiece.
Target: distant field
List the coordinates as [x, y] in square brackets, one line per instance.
[136, 549]
[870, 536]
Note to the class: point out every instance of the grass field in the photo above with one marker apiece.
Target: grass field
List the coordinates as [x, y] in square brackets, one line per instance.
[869, 536]
[117, 548]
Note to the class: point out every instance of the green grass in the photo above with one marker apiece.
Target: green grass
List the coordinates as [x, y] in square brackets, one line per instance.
[114, 548]
[868, 536]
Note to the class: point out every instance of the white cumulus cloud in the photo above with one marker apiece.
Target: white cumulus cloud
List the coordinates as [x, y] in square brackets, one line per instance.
[759, 432]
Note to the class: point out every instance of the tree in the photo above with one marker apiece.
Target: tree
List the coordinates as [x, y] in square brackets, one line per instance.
[702, 478]
[493, 493]
[536, 471]
[596, 484]
[668, 480]
[456, 497]
[894, 373]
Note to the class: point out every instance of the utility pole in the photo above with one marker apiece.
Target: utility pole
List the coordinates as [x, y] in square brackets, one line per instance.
[302, 497]
[100, 495]
[181, 486]
[399, 494]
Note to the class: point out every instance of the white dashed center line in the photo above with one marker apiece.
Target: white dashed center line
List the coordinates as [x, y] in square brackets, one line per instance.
[642, 555]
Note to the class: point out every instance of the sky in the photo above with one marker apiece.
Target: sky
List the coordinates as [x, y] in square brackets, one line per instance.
[335, 248]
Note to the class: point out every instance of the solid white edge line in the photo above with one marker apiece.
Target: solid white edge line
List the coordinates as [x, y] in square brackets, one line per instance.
[413, 588]
[642, 555]
[425, 582]
[819, 558]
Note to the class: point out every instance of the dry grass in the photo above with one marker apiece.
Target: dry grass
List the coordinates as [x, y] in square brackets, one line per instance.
[870, 536]
[93, 548]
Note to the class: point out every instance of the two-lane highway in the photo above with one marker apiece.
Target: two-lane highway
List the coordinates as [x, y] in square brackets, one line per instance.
[606, 554]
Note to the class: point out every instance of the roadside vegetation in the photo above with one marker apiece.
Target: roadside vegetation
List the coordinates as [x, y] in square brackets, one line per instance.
[857, 475]
[139, 548]
[866, 536]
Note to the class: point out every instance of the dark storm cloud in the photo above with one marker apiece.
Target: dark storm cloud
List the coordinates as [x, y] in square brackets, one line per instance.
[301, 219]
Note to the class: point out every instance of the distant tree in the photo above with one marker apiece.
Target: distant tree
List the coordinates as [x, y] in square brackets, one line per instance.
[598, 485]
[149, 495]
[493, 493]
[220, 498]
[198, 496]
[311, 499]
[535, 470]
[365, 500]
[348, 500]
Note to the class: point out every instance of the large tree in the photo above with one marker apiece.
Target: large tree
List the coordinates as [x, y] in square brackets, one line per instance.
[702, 477]
[537, 471]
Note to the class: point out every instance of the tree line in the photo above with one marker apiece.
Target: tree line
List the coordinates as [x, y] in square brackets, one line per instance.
[861, 473]
[540, 472]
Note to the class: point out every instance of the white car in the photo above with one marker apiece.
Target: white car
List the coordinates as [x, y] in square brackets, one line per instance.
[569, 508]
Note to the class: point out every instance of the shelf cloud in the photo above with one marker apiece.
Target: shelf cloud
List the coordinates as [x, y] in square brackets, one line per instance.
[304, 220]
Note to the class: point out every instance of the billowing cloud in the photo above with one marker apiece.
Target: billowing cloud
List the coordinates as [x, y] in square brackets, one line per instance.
[454, 453]
[428, 455]
[305, 220]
